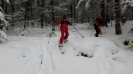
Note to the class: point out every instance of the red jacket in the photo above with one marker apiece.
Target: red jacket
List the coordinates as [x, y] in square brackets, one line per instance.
[64, 24]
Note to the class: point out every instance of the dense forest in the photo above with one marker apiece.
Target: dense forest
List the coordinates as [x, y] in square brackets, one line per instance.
[46, 12]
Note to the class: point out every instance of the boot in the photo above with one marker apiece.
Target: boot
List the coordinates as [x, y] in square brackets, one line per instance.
[60, 45]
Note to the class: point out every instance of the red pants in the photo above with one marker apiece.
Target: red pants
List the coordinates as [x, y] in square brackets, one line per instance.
[62, 35]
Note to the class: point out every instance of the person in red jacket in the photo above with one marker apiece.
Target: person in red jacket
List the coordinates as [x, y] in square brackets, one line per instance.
[64, 30]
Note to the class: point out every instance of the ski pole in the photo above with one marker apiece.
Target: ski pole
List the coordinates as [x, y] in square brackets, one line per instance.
[104, 30]
[50, 35]
[91, 33]
[49, 39]
[79, 33]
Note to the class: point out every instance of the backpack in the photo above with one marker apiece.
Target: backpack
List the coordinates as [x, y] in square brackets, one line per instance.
[65, 22]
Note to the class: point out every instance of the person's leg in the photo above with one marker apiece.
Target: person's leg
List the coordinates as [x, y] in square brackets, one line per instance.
[67, 34]
[95, 27]
[62, 37]
[97, 31]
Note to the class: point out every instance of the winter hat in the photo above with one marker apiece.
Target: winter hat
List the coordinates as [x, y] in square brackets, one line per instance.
[64, 17]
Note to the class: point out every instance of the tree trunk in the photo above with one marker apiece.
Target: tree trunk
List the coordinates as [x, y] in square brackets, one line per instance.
[71, 10]
[107, 14]
[132, 13]
[117, 18]
[26, 16]
[3, 5]
[53, 19]
[31, 10]
[103, 12]
[13, 15]
[6, 11]
[42, 14]
[27, 11]
[74, 10]
[82, 17]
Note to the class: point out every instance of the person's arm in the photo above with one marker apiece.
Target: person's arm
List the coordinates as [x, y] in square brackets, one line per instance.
[59, 22]
[69, 23]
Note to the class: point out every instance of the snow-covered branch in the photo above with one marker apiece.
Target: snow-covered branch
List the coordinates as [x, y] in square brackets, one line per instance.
[80, 1]
[87, 4]
[1, 9]
[124, 9]
[2, 18]
[7, 1]
[127, 3]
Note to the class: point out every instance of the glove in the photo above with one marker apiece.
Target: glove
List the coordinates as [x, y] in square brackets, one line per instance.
[70, 23]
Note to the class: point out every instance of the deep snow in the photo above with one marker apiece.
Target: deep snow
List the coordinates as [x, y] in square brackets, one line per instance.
[34, 55]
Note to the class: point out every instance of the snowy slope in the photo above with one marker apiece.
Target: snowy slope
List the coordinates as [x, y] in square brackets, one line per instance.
[34, 55]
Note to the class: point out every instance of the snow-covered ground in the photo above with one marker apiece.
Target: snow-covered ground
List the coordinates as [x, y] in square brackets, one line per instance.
[34, 55]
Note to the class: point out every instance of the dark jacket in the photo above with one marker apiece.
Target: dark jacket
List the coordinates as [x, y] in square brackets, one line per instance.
[99, 20]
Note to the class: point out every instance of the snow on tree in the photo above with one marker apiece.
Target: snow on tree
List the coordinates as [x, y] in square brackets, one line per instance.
[124, 9]
[80, 1]
[3, 21]
[2, 17]
[126, 3]
[7, 1]
[86, 5]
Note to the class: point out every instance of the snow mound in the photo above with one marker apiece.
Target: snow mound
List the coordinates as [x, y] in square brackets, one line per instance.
[89, 46]
[89, 55]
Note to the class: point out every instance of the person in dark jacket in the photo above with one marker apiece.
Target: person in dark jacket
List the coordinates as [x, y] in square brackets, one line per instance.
[97, 25]
[64, 30]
